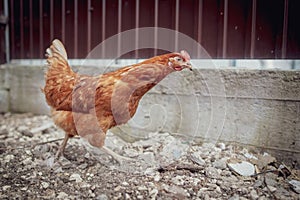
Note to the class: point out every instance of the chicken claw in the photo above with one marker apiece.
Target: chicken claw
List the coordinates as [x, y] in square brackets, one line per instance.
[120, 159]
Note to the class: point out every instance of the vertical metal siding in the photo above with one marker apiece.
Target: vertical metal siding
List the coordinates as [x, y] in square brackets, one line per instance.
[285, 28]
[225, 28]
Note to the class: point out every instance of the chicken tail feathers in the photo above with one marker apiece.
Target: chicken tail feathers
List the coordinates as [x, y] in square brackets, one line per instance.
[60, 78]
[57, 53]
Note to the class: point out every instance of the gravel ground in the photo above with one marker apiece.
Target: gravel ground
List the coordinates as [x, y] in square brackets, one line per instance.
[164, 167]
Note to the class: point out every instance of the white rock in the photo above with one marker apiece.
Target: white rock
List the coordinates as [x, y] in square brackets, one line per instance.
[178, 180]
[250, 156]
[157, 178]
[234, 197]
[27, 161]
[118, 188]
[127, 196]
[253, 194]
[6, 187]
[45, 185]
[85, 185]
[243, 168]
[206, 197]
[195, 157]
[212, 172]
[153, 193]
[148, 157]
[125, 183]
[76, 178]
[49, 162]
[221, 145]
[220, 164]
[142, 188]
[131, 152]
[102, 197]
[174, 148]
[150, 171]
[295, 185]
[218, 190]
[8, 158]
[271, 188]
[62, 195]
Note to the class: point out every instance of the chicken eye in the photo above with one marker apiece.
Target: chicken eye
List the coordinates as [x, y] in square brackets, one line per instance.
[178, 59]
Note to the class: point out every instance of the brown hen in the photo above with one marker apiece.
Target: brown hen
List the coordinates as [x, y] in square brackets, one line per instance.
[88, 106]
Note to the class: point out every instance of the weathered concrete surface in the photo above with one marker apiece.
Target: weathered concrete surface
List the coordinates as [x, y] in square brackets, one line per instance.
[25, 85]
[259, 108]
[4, 90]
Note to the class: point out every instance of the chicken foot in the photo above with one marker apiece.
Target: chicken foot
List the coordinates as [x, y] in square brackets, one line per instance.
[120, 159]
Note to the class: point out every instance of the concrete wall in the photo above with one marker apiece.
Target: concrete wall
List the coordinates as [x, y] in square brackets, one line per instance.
[257, 108]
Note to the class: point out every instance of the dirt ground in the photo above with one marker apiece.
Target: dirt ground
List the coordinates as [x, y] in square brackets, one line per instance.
[163, 167]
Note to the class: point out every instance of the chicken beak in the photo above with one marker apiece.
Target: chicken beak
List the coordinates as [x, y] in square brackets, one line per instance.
[189, 66]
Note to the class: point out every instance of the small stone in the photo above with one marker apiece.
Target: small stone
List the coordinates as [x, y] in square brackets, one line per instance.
[27, 161]
[8, 158]
[258, 183]
[87, 155]
[250, 156]
[156, 178]
[206, 197]
[45, 185]
[148, 157]
[62, 195]
[85, 185]
[125, 183]
[218, 190]
[127, 196]
[76, 178]
[221, 145]
[220, 164]
[212, 172]
[131, 152]
[234, 197]
[263, 198]
[91, 193]
[295, 185]
[177, 190]
[264, 160]
[102, 197]
[49, 162]
[150, 171]
[153, 193]
[243, 168]
[6, 187]
[208, 145]
[83, 166]
[196, 158]
[25, 131]
[142, 188]
[24, 188]
[118, 188]
[4, 131]
[253, 195]
[271, 188]
[178, 180]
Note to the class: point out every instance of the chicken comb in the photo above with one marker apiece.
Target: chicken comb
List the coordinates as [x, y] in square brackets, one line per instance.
[185, 55]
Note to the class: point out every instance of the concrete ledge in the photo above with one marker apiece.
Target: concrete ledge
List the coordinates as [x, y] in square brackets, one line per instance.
[259, 108]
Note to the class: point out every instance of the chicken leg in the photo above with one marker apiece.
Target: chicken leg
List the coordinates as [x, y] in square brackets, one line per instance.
[62, 147]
